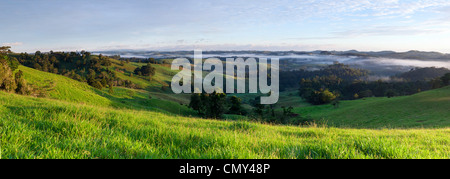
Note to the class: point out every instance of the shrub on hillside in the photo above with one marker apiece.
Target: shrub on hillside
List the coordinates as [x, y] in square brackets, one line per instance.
[320, 97]
[8, 81]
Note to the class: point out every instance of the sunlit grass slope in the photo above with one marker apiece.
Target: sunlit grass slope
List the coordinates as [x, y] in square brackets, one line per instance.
[48, 128]
[163, 77]
[62, 88]
[428, 109]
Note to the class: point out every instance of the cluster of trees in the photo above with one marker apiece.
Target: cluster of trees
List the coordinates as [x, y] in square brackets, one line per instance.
[360, 89]
[146, 70]
[318, 97]
[341, 82]
[10, 81]
[135, 59]
[290, 79]
[216, 104]
[446, 79]
[440, 82]
[81, 66]
[326, 85]
[423, 74]
[267, 113]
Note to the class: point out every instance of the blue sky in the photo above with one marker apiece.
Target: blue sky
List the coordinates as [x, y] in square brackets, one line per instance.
[367, 25]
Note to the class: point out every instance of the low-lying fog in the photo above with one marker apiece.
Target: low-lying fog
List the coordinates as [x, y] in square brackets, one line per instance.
[378, 66]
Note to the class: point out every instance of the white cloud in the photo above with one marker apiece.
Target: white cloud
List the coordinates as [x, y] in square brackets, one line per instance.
[228, 23]
[389, 31]
[332, 9]
[12, 44]
[224, 46]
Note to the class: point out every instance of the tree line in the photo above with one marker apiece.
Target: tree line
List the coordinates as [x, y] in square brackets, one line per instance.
[339, 81]
[215, 105]
[81, 66]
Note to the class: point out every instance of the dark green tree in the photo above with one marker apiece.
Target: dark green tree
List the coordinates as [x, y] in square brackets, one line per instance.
[196, 103]
[236, 107]
[390, 93]
[22, 86]
[336, 102]
[209, 105]
[446, 79]
[215, 105]
[320, 97]
[146, 70]
[111, 90]
[287, 111]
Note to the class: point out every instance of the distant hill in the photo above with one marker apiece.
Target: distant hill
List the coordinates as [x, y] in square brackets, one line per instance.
[424, 74]
[417, 55]
[413, 54]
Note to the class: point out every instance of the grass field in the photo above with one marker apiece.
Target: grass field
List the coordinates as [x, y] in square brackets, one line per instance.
[46, 128]
[77, 121]
[430, 109]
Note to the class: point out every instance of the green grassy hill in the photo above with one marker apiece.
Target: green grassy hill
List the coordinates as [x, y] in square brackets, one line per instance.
[428, 109]
[48, 128]
[75, 120]
[62, 88]
[163, 77]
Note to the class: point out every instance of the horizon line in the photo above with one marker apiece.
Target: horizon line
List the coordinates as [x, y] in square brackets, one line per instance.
[147, 50]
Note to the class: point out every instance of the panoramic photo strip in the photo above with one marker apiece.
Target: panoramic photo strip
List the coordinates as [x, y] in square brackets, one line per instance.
[250, 82]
